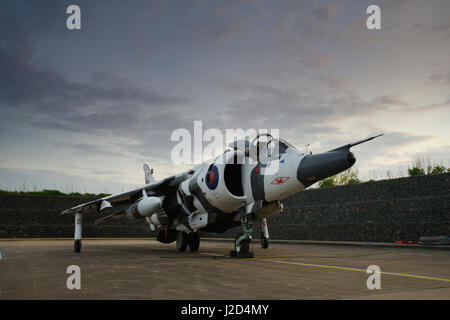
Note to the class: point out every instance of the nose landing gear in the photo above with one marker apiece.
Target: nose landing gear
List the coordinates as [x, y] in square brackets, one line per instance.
[243, 239]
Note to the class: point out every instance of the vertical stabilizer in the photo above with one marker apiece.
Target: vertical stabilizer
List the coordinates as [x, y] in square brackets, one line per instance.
[148, 174]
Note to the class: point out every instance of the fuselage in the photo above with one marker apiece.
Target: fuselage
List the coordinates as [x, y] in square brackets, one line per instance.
[245, 181]
[216, 190]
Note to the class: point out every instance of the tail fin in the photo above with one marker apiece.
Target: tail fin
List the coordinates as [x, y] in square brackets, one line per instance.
[148, 174]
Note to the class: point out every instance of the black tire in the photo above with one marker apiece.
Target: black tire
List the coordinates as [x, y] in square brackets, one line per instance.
[194, 242]
[77, 246]
[245, 246]
[264, 243]
[182, 241]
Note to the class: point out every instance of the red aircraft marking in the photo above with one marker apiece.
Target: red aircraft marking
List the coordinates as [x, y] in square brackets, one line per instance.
[279, 180]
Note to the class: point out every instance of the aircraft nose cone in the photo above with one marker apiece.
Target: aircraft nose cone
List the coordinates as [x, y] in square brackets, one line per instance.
[313, 168]
[351, 158]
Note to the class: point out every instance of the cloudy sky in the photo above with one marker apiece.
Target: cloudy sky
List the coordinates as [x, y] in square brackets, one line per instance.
[81, 110]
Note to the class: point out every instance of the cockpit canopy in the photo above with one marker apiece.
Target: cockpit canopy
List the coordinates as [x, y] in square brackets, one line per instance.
[262, 145]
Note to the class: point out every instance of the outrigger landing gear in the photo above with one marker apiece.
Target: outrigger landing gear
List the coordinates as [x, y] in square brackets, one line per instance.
[77, 245]
[243, 239]
[264, 234]
[78, 226]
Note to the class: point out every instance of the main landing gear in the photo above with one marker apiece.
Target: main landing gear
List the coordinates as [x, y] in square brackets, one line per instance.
[191, 240]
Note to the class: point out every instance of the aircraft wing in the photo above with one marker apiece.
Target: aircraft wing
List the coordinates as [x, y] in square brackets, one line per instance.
[348, 146]
[157, 188]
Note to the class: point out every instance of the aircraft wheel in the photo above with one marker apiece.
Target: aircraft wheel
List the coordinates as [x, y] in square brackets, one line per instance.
[245, 246]
[182, 241]
[77, 245]
[245, 250]
[264, 243]
[194, 241]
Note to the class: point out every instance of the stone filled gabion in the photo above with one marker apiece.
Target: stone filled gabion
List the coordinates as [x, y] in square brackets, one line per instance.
[381, 211]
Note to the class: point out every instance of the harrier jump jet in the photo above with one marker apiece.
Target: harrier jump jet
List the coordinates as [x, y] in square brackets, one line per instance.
[233, 189]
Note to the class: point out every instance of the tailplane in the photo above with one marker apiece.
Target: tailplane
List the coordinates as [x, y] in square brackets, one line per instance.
[148, 174]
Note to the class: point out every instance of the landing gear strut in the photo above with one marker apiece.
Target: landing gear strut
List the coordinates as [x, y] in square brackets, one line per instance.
[243, 239]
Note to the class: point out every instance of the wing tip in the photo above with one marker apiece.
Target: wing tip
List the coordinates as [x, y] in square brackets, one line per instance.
[68, 211]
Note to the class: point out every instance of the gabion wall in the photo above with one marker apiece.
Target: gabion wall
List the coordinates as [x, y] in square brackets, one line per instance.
[381, 211]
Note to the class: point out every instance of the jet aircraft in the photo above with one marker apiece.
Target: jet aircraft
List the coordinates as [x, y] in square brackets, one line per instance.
[233, 189]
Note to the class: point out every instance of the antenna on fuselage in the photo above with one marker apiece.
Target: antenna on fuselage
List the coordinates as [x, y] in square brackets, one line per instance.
[307, 148]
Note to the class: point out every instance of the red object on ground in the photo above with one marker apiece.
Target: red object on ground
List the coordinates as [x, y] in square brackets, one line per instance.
[406, 242]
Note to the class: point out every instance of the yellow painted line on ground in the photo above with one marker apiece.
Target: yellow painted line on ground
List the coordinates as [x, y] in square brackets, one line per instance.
[351, 269]
[337, 267]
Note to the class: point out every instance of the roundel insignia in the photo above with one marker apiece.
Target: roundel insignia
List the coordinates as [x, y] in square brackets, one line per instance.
[212, 178]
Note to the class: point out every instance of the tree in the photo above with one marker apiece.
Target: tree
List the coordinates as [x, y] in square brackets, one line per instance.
[415, 171]
[349, 176]
[328, 182]
[438, 169]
